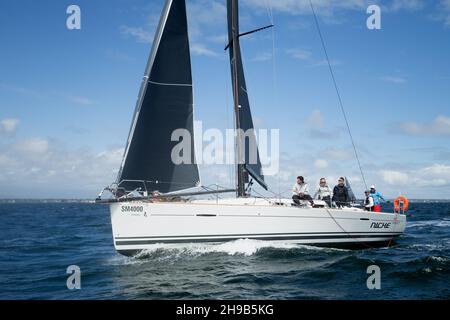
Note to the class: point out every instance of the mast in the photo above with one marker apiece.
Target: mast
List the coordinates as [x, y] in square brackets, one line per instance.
[247, 154]
[240, 170]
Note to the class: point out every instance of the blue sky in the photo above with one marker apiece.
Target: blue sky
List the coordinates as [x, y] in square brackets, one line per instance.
[67, 97]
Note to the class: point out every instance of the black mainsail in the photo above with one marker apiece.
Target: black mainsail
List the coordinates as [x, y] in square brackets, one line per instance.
[249, 162]
[165, 104]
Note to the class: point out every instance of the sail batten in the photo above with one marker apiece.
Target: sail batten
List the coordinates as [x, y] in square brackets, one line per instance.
[165, 104]
[171, 84]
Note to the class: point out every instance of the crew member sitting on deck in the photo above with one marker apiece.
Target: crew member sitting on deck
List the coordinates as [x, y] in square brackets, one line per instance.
[340, 194]
[323, 192]
[300, 190]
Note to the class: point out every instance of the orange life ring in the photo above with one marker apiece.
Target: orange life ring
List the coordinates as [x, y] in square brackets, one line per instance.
[401, 200]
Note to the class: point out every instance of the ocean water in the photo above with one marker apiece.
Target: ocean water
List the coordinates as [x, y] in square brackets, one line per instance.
[38, 241]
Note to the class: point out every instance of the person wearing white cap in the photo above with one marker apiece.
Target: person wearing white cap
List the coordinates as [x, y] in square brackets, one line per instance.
[377, 197]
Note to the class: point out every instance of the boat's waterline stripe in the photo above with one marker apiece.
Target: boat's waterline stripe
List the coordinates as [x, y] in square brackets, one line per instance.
[191, 240]
[383, 233]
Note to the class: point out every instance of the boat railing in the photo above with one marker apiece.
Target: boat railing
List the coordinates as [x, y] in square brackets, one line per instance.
[121, 195]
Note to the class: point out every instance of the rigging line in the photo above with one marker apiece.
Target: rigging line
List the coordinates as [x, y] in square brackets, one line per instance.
[344, 114]
[275, 86]
[338, 94]
[279, 195]
[269, 11]
[261, 196]
[395, 222]
[346, 232]
[228, 168]
[274, 83]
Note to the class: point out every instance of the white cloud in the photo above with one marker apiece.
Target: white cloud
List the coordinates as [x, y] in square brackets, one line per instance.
[321, 164]
[299, 54]
[440, 126]
[5, 161]
[48, 95]
[144, 34]
[36, 167]
[200, 50]
[138, 33]
[117, 55]
[331, 7]
[81, 100]
[329, 10]
[204, 16]
[262, 56]
[442, 8]
[21, 91]
[408, 5]
[338, 154]
[394, 79]
[437, 170]
[436, 175]
[32, 147]
[203, 13]
[315, 120]
[442, 13]
[324, 63]
[391, 179]
[445, 5]
[395, 177]
[296, 7]
[320, 134]
[219, 39]
[8, 126]
[317, 129]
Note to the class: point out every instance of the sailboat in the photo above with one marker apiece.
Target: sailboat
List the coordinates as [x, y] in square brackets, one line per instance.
[153, 199]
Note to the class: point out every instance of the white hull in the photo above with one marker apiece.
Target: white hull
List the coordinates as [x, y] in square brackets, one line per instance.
[138, 225]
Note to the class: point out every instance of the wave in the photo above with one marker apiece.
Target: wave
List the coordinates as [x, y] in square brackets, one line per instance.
[433, 223]
[429, 246]
[439, 259]
[244, 247]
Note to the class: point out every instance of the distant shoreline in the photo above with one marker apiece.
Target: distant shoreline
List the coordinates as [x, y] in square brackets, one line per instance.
[5, 201]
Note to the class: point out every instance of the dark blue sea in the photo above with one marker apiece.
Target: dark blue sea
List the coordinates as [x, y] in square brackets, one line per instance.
[38, 241]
